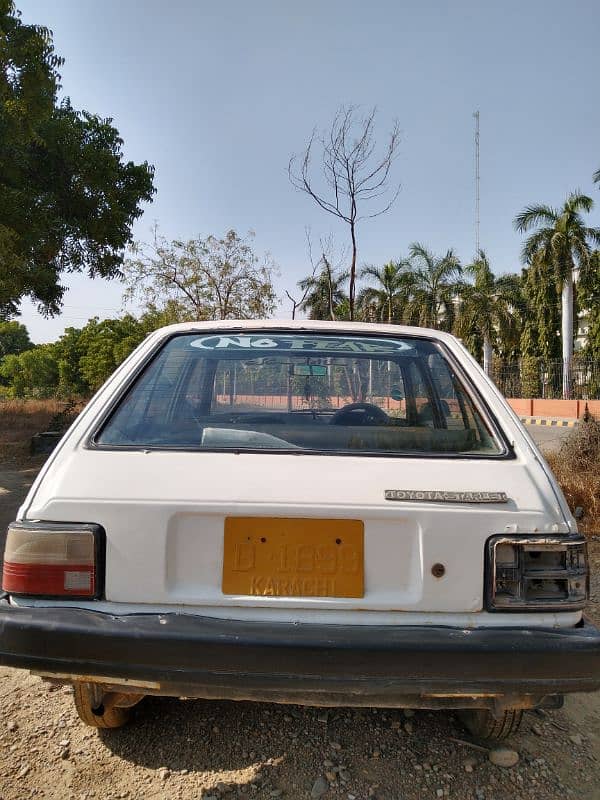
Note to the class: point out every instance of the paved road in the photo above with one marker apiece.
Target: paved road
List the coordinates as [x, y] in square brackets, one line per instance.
[548, 438]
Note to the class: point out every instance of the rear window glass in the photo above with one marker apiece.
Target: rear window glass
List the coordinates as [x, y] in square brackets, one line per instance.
[300, 392]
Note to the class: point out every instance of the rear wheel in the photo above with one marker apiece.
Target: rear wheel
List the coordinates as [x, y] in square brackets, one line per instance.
[88, 703]
[484, 725]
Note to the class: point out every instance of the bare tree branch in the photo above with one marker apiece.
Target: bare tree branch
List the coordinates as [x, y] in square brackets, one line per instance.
[296, 304]
[352, 177]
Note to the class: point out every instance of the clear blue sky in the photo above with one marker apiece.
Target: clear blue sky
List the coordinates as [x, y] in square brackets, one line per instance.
[219, 95]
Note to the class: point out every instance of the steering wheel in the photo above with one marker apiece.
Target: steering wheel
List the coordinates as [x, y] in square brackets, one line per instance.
[360, 414]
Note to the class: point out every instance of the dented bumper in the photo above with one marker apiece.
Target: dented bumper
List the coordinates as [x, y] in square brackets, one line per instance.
[184, 654]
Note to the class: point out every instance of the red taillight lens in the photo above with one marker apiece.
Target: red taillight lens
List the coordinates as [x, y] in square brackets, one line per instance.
[51, 560]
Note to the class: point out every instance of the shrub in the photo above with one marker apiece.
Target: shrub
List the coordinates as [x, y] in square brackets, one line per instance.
[577, 469]
[530, 377]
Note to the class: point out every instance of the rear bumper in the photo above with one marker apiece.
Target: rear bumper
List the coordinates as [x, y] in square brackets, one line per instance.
[178, 654]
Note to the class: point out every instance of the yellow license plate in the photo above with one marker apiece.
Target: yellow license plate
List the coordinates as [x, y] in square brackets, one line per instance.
[290, 557]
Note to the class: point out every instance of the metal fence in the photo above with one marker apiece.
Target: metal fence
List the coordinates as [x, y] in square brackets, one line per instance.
[534, 377]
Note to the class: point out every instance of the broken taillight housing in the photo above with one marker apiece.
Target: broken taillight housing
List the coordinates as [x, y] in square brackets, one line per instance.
[546, 573]
[49, 559]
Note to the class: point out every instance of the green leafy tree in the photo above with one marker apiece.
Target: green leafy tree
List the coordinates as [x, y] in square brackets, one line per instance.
[33, 373]
[82, 358]
[487, 309]
[105, 344]
[385, 298]
[69, 351]
[433, 283]
[531, 384]
[154, 317]
[207, 278]
[540, 337]
[14, 338]
[560, 244]
[589, 296]
[68, 198]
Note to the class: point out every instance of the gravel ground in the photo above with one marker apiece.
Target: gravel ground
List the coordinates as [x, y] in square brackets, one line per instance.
[213, 749]
[250, 751]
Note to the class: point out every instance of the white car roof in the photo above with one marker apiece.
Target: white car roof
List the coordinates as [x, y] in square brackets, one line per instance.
[337, 326]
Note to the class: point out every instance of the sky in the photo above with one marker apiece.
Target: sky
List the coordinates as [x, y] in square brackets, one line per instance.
[219, 95]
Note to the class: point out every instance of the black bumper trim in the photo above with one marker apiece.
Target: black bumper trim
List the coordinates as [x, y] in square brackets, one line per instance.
[183, 650]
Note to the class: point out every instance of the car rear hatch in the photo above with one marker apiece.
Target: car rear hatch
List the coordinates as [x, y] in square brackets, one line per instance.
[297, 471]
[168, 516]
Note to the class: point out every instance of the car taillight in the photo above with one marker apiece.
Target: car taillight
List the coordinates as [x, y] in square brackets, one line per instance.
[547, 573]
[52, 559]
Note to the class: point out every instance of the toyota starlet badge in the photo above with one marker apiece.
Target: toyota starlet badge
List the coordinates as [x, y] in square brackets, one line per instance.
[436, 496]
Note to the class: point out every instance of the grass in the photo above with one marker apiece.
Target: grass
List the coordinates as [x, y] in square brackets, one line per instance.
[577, 469]
[21, 419]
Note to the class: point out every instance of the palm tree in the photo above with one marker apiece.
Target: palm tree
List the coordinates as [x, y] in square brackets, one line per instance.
[596, 177]
[487, 307]
[323, 292]
[564, 244]
[433, 283]
[388, 294]
[511, 288]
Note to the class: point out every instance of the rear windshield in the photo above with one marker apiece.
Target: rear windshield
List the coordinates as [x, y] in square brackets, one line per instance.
[300, 392]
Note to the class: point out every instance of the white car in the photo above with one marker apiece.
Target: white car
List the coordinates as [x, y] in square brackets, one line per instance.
[323, 513]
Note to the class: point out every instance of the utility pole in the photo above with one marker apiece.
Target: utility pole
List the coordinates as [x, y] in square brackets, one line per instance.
[476, 115]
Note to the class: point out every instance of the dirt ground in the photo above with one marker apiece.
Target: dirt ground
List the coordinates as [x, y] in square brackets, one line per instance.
[177, 750]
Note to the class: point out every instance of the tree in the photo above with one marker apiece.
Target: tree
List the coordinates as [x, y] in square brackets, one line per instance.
[82, 358]
[32, 373]
[387, 297]
[589, 296]
[540, 337]
[433, 283]
[508, 343]
[561, 242]
[14, 338]
[67, 196]
[206, 278]
[105, 344]
[307, 283]
[69, 351]
[324, 292]
[354, 177]
[487, 308]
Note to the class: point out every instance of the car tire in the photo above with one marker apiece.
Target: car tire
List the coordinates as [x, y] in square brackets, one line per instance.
[484, 725]
[88, 703]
